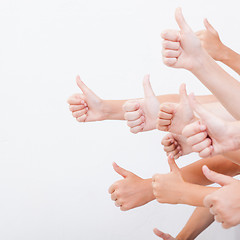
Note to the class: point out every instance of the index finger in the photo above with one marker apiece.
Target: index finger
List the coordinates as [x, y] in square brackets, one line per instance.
[130, 106]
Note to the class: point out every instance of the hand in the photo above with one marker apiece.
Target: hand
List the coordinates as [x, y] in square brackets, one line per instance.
[181, 49]
[174, 117]
[163, 235]
[167, 188]
[211, 42]
[132, 191]
[211, 135]
[141, 115]
[176, 145]
[86, 107]
[224, 203]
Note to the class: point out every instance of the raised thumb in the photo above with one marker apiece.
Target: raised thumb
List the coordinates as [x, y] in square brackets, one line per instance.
[121, 171]
[148, 92]
[199, 109]
[181, 20]
[216, 177]
[183, 93]
[172, 164]
[208, 26]
[81, 85]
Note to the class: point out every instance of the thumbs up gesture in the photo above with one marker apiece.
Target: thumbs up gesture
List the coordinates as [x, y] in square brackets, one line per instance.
[211, 42]
[168, 188]
[132, 191]
[174, 117]
[211, 135]
[141, 114]
[87, 106]
[224, 203]
[181, 49]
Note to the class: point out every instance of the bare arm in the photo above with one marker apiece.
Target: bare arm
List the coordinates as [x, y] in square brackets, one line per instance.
[178, 187]
[231, 59]
[211, 42]
[220, 83]
[193, 172]
[113, 108]
[191, 56]
[197, 223]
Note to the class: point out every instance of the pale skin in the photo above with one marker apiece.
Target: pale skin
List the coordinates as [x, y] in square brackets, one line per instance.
[207, 136]
[141, 114]
[174, 118]
[171, 188]
[211, 42]
[133, 191]
[90, 118]
[223, 204]
[182, 49]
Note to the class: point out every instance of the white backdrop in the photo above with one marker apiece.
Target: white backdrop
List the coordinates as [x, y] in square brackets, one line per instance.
[55, 172]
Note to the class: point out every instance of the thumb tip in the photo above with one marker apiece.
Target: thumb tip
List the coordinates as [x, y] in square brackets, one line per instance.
[206, 171]
[204, 168]
[146, 78]
[178, 9]
[182, 89]
[178, 12]
[78, 79]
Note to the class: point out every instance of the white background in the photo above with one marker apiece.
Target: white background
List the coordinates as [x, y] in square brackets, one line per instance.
[55, 172]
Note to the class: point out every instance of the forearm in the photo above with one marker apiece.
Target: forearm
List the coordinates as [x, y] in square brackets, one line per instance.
[234, 157]
[193, 194]
[220, 83]
[218, 110]
[113, 108]
[198, 222]
[193, 173]
[231, 59]
[175, 98]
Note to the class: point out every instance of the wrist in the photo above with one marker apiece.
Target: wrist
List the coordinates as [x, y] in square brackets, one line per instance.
[112, 110]
[202, 65]
[183, 235]
[233, 131]
[149, 190]
[223, 54]
[200, 61]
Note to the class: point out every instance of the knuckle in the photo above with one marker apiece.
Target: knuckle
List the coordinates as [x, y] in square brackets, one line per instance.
[132, 130]
[129, 124]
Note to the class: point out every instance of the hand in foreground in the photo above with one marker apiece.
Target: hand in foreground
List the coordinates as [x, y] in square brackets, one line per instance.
[211, 135]
[224, 203]
[174, 117]
[132, 191]
[176, 145]
[211, 42]
[168, 188]
[141, 114]
[87, 106]
[181, 49]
